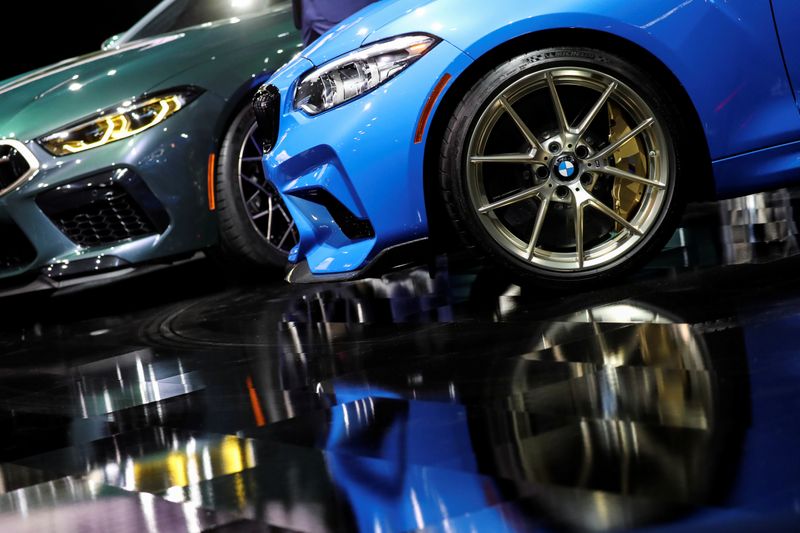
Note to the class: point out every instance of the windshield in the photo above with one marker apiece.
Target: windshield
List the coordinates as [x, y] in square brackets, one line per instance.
[173, 15]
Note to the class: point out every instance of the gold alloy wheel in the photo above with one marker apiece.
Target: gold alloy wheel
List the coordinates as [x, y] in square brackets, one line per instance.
[588, 178]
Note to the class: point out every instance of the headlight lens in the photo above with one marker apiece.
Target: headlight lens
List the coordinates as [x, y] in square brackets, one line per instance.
[359, 72]
[118, 123]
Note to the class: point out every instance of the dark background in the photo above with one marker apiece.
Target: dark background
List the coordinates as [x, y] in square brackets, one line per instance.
[41, 33]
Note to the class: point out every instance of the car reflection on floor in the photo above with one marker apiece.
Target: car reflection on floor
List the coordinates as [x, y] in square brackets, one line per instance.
[451, 402]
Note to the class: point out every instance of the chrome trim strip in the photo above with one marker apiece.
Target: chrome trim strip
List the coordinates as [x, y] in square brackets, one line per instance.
[33, 163]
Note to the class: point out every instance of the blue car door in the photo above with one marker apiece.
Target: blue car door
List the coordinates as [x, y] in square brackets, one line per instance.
[787, 15]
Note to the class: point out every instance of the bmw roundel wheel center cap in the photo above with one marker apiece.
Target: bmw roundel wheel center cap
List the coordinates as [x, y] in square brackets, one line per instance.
[566, 169]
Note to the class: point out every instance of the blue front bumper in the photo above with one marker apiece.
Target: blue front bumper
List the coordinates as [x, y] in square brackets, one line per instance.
[363, 156]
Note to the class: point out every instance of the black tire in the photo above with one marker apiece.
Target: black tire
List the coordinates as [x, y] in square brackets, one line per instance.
[453, 161]
[242, 246]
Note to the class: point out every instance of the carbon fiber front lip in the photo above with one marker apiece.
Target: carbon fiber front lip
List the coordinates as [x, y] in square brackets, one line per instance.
[392, 258]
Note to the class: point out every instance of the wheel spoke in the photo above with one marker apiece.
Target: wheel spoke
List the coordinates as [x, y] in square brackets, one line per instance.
[627, 137]
[619, 173]
[286, 216]
[579, 251]
[250, 159]
[537, 227]
[269, 221]
[557, 107]
[254, 183]
[523, 127]
[584, 126]
[603, 208]
[286, 235]
[510, 200]
[504, 158]
[250, 200]
[264, 213]
[256, 144]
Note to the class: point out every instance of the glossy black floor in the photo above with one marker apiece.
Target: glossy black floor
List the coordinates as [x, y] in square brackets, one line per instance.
[178, 402]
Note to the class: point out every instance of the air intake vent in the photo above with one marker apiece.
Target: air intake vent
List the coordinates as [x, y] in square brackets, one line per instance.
[105, 209]
[17, 164]
[112, 218]
[15, 249]
[354, 228]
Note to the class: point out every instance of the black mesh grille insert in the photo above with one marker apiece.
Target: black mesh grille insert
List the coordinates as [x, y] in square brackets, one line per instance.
[105, 208]
[111, 218]
[267, 106]
[12, 165]
[15, 249]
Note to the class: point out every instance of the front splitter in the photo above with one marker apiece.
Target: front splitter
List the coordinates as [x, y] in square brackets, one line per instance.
[392, 258]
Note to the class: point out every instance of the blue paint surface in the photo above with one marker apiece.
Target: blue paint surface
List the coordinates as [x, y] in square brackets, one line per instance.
[728, 56]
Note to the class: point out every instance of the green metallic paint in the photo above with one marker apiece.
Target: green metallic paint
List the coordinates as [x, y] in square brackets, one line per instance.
[49, 101]
[227, 59]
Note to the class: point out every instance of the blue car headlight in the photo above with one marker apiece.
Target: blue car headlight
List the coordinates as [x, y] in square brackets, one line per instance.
[359, 72]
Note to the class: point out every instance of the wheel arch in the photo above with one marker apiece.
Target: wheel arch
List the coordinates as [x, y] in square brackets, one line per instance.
[241, 248]
[695, 143]
[241, 97]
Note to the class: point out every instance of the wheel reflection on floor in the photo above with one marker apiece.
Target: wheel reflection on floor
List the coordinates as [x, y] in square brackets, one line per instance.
[447, 402]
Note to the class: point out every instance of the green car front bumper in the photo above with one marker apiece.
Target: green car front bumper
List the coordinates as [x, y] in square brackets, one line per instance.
[133, 204]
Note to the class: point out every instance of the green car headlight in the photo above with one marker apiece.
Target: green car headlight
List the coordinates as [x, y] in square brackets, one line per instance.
[359, 72]
[118, 123]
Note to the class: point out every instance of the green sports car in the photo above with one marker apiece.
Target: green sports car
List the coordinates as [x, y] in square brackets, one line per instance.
[145, 153]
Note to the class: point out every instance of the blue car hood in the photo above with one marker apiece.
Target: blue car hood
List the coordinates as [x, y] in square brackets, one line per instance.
[354, 31]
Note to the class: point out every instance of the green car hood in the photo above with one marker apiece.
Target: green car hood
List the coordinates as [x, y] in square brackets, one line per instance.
[50, 98]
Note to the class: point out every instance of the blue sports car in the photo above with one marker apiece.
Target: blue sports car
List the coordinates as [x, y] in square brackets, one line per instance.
[557, 139]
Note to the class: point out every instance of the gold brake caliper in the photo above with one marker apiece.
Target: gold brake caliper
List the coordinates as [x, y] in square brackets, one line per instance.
[631, 158]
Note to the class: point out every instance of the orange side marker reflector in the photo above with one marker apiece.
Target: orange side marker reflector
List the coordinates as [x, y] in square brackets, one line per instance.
[212, 200]
[426, 112]
[255, 403]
